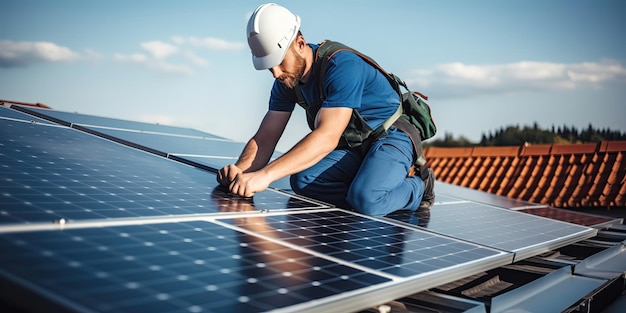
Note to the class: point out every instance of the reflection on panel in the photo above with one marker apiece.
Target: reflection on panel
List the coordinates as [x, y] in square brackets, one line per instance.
[499, 228]
[579, 218]
[468, 194]
[51, 173]
[378, 245]
[172, 267]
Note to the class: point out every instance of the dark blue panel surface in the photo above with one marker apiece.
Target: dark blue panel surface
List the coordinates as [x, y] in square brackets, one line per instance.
[51, 172]
[173, 267]
[385, 247]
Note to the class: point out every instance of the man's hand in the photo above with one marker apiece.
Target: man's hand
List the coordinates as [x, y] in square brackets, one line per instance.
[227, 174]
[246, 184]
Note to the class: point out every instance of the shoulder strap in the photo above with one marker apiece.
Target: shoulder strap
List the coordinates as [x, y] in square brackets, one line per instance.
[327, 50]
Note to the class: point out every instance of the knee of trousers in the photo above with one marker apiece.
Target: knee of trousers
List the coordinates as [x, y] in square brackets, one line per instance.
[299, 182]
[366, 202]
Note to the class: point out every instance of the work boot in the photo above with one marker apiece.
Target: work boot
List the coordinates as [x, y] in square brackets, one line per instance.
[428, 198]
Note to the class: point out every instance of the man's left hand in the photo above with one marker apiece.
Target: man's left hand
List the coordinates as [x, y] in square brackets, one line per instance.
[247, 184]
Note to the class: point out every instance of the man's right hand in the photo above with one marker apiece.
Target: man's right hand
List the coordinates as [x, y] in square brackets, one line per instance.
[227, 174]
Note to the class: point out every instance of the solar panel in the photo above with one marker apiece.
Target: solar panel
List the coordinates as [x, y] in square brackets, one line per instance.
[509, 230]
[468, 194]
[52, 172]
[112, 123]
[175, 142]
[385, 247]
[569, 216]
[173, 267]
[147, 231]
[6, 113]
[253, 264]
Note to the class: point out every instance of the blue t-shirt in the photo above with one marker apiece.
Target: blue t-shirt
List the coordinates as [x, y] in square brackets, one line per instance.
[350, 82]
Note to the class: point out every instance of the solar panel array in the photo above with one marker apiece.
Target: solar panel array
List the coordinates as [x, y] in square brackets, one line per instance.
[107, 215]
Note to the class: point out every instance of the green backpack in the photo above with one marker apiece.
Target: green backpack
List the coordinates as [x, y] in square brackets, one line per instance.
[414, 109]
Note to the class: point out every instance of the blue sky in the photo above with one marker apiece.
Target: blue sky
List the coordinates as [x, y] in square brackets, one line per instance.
[484, 64]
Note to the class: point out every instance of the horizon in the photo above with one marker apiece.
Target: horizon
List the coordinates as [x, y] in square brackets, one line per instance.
[484, 64]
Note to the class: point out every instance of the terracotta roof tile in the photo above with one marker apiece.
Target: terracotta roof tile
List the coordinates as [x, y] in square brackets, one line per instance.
[495, 151]
[580, 175]
[613, 146]
[535, 150]
[574, 149]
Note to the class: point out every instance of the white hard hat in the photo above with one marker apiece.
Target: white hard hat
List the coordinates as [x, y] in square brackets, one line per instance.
[271, 29]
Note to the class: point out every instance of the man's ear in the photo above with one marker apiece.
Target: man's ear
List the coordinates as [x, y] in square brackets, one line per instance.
[300, 43]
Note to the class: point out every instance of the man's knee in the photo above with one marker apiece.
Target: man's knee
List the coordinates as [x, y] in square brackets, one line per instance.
[297, 183]
[366, 202]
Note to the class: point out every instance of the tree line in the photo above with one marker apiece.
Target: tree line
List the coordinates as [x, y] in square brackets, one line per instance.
[516, 135]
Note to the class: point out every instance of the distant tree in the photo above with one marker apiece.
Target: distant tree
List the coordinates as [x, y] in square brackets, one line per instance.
[515, 135]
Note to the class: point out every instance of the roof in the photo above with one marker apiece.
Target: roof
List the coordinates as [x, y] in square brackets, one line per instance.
[96, 208]
[560, 175]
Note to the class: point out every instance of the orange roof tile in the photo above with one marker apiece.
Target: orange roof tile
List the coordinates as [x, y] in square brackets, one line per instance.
[576, 175]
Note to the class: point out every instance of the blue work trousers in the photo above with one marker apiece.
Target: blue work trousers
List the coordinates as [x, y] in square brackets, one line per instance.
[374, 184]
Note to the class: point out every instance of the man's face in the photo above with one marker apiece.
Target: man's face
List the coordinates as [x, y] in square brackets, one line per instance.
[291, 70]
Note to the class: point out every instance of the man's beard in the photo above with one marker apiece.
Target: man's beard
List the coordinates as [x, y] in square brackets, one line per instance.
[291, 79]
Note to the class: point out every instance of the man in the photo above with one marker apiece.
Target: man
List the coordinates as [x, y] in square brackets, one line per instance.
[371, 180]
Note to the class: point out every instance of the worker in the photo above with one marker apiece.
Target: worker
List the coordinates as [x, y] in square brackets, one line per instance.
[374, 178]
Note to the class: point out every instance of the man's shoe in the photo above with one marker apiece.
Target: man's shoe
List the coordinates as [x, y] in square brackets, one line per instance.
[428, 198]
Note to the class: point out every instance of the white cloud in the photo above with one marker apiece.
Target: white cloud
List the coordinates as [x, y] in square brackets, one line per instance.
[24, 53]
[458, 79]
[195, 59]
[153, 64]
[184, 48]
[159, 49]
[210, 43]
[134, 58]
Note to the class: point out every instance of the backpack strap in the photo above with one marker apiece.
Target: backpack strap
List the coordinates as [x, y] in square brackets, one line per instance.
[323, 54]
[327, 49]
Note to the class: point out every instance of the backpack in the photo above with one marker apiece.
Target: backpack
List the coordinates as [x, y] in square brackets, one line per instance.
[413, 108]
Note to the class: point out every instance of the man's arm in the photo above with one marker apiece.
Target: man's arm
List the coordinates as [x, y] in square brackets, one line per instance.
[259, 148]
[330, 124]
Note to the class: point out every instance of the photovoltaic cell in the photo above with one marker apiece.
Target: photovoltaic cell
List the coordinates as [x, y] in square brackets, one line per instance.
[52, 172]
[499, 228]
[173, 267]
[385, 247]
[196, 146]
